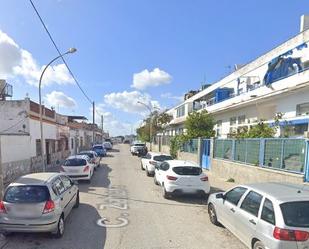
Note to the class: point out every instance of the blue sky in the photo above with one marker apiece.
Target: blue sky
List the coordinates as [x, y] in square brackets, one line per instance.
[174, 43]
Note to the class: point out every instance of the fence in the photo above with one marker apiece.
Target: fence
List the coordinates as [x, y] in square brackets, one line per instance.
[190, 146]
[283, 154]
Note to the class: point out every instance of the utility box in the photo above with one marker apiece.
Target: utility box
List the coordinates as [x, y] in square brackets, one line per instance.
[6, 90]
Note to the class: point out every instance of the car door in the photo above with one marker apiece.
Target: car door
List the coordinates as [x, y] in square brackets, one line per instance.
[159, 171]
[69, 191]
[228, 206]
[145, 160]
[247, 216]
[59, 190]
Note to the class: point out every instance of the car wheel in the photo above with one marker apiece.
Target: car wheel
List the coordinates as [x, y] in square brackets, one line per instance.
[60, 228]
[165, 193]
[212, 214]
[258, 245]
[77, 201]
[95, 168]
[155, 180]
[147, 172]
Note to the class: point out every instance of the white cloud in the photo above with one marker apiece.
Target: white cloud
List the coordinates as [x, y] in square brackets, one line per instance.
[110, 122]
[128, 101]
[15, 61]
[60, 99]
[171, 96]
[147, 78]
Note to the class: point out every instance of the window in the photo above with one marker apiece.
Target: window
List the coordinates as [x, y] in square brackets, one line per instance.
[38, 147]
[219, 128]
[58, 187]
[66, 144]
[72, 143]
[251, 203]
[233, 121]
[66, 182]
[162, 158]
[187, 171]
[242, 119]
[180, 111]
[296, 214]
[26, 194]
[148, 156]
[302, 109]
[234, 195]
[75, 162]
[268, 213]
[164, 166]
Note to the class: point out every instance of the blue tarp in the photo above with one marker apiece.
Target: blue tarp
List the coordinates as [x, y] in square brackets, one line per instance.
[223, 93]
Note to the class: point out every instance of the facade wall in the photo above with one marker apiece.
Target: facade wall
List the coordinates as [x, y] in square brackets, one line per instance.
[243, 174]
[14, 115]
[15, 147]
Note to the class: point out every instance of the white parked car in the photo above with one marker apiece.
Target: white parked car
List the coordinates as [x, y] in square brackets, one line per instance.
[107, 145]
[152, 159]
[264, 215]
[78, 167]
[136, 147]
[178, 176]
[94, 158]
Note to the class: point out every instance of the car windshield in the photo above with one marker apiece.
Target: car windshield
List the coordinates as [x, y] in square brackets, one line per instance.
[162, 158]
[75, 162]
[97, 148]
[139, 144]
[296, 214]
[187, 171]
[26, 194]
[86, 154]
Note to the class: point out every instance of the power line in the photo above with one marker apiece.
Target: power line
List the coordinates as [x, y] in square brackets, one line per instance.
[14, 125]
[55, 45]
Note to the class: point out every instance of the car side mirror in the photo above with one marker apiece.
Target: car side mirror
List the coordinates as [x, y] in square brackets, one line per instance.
[220, 196]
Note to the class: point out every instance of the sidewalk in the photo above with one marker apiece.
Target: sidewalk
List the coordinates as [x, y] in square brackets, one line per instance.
[218, 184]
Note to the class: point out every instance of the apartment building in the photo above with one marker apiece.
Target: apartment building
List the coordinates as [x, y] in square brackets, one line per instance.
[276, 83]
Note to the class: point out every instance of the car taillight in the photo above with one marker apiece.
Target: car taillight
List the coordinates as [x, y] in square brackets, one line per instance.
[290, 235]
[2, 208]
[153, 163]
[204, 179]
[49, 207]
[86, 168]
[172, 178]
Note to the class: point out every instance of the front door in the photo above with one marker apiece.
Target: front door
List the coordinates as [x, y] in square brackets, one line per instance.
[47, 153]
[206, 153]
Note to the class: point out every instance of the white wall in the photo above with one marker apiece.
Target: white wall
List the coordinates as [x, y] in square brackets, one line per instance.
[15, 148]
[49, 132]
[14, 113]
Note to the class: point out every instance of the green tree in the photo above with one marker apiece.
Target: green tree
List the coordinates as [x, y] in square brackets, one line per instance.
[157, 121]
[199, 124]
[261, 130]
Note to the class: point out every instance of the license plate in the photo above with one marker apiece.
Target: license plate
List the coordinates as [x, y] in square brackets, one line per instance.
[73, 170]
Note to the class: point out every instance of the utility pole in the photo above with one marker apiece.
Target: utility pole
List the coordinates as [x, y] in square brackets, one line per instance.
[102, 127]
[93, 122]
[1, 174]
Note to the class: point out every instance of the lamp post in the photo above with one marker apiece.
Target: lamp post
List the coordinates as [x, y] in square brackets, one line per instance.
[149, 107]
[70, 51]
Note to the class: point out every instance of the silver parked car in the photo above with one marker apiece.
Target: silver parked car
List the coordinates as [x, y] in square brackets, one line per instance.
[264, 215]
[38, 202]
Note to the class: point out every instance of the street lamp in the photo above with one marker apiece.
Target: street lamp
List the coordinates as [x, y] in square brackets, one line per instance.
[149, 107]
[70, 51]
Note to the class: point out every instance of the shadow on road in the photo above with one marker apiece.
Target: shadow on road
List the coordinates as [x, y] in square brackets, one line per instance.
[99, 179]
[114, 150]
[81, 231]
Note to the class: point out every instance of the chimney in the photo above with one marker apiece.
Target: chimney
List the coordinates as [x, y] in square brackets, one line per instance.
[304, 23]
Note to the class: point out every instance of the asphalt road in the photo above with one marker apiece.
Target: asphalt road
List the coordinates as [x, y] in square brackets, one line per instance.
[123, 208]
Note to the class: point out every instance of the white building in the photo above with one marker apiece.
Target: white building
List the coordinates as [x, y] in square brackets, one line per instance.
[276, 82]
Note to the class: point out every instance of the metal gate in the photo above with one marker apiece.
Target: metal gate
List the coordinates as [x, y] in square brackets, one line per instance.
[306, 178]
[206, 153]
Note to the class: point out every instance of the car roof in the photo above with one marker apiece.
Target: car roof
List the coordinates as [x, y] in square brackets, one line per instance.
[35, 178]
[87, 151]
[281, 191]
[97, 145]
[158, 154]
[183, 163]
[78, 157]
